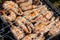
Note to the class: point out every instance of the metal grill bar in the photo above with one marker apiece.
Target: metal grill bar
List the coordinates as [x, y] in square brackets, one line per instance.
[9, 37]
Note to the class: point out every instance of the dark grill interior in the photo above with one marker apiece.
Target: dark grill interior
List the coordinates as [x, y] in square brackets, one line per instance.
[5, 30]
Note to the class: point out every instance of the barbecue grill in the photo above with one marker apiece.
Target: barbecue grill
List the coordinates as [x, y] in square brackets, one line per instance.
[7, 34]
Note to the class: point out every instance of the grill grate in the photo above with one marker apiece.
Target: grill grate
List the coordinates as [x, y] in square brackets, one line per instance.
[5, 30]
[6, 33]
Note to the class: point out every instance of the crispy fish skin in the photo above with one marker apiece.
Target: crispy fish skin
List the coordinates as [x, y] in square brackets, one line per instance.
[10, 16]
[10, 5]
[17, 33]
[33, 37]
[24, 24]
